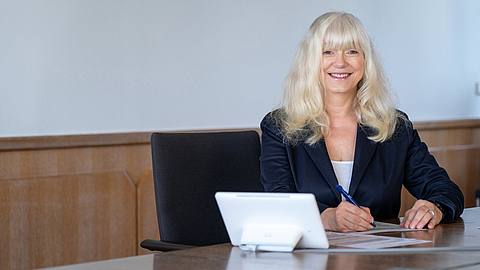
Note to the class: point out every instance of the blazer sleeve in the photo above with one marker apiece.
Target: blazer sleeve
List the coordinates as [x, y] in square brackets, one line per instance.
[276, 174]
[276, 162]
[426, 180]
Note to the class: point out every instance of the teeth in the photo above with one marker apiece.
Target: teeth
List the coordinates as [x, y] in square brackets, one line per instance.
[342, 75]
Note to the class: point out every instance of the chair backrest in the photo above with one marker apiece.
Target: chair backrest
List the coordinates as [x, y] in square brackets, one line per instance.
[188, 168]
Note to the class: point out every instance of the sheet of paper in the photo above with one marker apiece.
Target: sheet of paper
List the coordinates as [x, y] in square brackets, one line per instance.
[387, 227]
[355, 240]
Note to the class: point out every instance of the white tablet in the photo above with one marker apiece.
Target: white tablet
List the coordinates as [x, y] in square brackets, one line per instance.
[272, 221]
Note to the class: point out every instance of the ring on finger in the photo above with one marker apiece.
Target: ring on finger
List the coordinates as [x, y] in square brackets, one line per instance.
[431, 212]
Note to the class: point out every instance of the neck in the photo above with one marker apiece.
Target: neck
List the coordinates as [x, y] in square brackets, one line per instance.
[339, 103]
[340, 110]
[340, 107]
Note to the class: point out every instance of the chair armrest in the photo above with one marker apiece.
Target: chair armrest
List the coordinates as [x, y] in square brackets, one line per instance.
[158, 245]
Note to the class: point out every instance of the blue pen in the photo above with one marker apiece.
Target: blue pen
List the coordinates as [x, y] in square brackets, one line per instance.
[350, 199]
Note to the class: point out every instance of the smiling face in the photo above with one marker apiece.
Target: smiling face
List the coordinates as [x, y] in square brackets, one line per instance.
[342, 70]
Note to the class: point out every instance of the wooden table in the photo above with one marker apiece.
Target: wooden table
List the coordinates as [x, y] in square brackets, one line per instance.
[454, 245]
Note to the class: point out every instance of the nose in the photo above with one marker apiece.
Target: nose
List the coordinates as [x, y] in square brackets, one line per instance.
[340, 59]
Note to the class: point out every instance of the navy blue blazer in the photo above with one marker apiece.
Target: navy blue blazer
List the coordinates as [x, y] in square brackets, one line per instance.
[379, 171]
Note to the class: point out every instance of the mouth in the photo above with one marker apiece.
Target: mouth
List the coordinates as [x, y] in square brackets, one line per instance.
[339, 76]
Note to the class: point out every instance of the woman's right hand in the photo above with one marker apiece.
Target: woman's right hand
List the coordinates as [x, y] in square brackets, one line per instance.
[347, 217]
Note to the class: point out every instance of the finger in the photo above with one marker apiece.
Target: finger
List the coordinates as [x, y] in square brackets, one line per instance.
[435, 219]
[407, 219]
[424, 220]
[356, 223]
[366, 209]
[351, 218]
[359, 218]
[340, 220]
[431, 224]
[351, 223]
[422, 217]
[363, 212]
[361, 225]
[370, 218]
[414, 221]
[412, 218]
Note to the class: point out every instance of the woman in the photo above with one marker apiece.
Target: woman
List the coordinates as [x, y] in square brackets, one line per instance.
[338, 125]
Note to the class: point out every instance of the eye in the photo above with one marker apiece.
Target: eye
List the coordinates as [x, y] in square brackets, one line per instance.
[328, 52]
[352, 52]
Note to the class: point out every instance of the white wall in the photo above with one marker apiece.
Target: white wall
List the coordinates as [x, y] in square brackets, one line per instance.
[105, 66]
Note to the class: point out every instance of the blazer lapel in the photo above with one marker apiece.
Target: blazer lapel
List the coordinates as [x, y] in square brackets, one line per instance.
[364, 150]
[319, 155]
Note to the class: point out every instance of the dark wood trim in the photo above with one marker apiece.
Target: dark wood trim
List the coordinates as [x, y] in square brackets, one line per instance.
[132, 138]
[73, 141]
[450, 124]
[454, 148]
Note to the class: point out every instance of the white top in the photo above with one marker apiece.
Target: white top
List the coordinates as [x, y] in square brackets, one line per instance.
[343, 170]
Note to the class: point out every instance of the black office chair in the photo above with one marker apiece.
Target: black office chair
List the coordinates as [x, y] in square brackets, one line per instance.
[188, 168]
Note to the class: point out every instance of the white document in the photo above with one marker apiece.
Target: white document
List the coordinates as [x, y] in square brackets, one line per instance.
[355, 240]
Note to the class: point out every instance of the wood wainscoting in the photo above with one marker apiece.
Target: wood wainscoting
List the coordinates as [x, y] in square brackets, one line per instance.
[81, 198]
[456, 147]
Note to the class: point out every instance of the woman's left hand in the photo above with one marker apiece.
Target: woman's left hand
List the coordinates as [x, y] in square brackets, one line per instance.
[422, 213]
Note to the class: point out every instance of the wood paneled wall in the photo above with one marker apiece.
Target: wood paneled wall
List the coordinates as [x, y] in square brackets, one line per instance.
[456, 147]
[74, 199]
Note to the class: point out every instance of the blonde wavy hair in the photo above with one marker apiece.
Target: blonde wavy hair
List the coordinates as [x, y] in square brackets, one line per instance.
[303, 114]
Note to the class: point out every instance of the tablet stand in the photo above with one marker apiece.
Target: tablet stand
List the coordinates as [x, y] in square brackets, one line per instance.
[270, 238]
